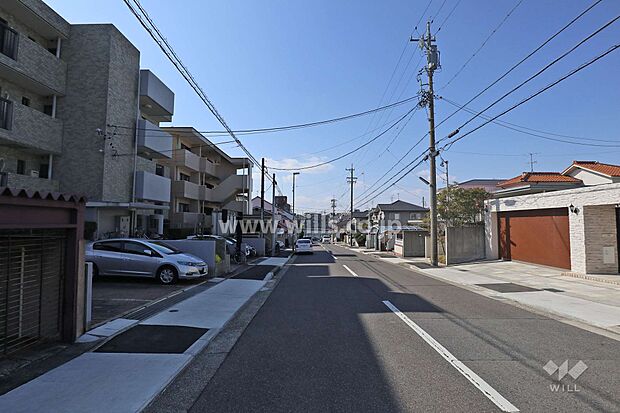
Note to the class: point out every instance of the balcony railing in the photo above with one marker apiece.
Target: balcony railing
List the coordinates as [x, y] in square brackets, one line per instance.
[8, 41]
[6, 114]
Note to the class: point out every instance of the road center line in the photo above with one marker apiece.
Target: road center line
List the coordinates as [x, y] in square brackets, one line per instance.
[474, 379]
[349, 269]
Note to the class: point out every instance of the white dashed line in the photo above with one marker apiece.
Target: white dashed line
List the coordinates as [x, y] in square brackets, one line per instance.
[473, 378]
[349, 269]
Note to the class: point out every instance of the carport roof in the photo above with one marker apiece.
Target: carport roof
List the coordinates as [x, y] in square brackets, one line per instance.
[23, 193]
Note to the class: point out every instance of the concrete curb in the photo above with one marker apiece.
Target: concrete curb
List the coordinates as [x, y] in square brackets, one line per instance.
[218, 356]
[590, 277]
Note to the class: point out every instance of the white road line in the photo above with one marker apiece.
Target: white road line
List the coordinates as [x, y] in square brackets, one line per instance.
[334, 257]
[474, 379]
[349, 269]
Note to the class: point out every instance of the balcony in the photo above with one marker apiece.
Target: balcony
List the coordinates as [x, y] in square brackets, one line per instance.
[28, 182]
[156, 99]
[30, 65]
[185, 189]
[21, 125]
[183, 157]
[151, 187]
[208, 167]
[189, 220]
[152, 141]
[205, 193]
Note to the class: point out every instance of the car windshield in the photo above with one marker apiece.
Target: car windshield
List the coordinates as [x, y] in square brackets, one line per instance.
[165, 248]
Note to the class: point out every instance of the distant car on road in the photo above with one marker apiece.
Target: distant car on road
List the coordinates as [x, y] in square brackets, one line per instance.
[326, 239]
[139, 258]
[316, 241]
[303, 245]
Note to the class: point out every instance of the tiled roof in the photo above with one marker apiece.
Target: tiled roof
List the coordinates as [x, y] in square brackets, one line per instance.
[537, 177]
[401, 206]
[603, 168]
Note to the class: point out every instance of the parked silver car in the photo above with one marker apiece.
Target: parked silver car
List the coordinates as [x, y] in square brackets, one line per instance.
[139, 258]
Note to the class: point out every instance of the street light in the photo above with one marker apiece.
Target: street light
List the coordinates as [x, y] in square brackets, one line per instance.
[294, 220]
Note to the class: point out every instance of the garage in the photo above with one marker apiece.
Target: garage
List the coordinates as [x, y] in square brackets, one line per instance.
[538, 236]
[41, 276]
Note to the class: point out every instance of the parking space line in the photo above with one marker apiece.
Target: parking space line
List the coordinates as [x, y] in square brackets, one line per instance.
[349, 269]
[473, 378]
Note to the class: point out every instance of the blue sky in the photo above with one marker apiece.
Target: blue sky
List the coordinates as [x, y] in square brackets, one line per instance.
[274, 63]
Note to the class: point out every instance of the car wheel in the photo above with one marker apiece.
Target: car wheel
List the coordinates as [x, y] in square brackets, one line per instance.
[167, 275]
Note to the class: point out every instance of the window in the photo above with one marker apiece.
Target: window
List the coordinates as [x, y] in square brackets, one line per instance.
[8, 40]
[112, 246]
[25, 101]
[415, 215]
[21, 167]
[183, 207]
[43, 171]
[184, 177]
[396, 215]
[159, 170]
[48, 110]
[136, 248]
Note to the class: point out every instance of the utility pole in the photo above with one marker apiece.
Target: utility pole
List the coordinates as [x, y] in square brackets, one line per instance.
[274, 222]
[333, 200]
[262, 196]
[294, 217]
[351, 179]
[428, 98]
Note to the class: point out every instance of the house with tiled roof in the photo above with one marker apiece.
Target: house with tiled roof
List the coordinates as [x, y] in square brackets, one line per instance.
[593, 173]
[532, 182]
[568, 219]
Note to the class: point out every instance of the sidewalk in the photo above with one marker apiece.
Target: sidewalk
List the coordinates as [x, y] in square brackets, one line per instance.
[137, 358]
[544, 289]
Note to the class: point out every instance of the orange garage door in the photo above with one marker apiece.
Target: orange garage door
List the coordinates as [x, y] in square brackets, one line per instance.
[539, 236]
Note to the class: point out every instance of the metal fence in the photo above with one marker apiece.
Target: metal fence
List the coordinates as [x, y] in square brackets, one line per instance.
[32, 267]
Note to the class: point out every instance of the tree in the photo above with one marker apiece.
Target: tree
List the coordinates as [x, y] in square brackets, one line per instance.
[460, 206]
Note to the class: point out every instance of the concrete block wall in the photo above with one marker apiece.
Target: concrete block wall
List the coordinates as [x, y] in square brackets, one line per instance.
[600, 233]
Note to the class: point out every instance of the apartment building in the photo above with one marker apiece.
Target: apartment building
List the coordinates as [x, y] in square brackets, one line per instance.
[78, 115]
[207, 184]
[33, 73]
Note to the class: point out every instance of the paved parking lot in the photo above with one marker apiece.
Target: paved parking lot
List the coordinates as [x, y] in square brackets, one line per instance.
[113, 296]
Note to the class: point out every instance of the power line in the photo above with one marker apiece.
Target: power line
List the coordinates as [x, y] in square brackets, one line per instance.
[351, 151]
[515, 127]
[538, 73]
[549, 86]
[374, 194]
[295, 126]
[520, 62]
[152, 29]
[510, 70]
[448, 15]
[483, 43]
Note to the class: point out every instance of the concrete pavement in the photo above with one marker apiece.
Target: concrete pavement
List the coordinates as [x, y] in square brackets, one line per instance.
[125, 373]
[326, 340]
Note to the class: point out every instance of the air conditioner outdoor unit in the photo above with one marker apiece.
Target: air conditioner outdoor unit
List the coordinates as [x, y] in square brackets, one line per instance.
[34, 173]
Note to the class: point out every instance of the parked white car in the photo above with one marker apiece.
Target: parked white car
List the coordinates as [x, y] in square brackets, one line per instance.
[303, 246]
[326, 239]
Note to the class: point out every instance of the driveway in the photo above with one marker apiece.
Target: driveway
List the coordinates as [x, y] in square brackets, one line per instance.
[114, 296]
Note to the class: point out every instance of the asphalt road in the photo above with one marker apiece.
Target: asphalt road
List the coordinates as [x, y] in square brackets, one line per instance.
[326, 340]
